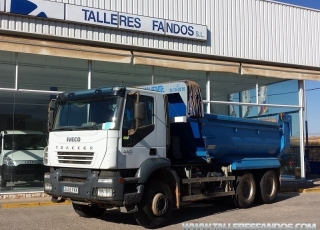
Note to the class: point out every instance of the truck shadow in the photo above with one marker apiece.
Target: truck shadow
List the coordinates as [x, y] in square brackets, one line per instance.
[186, 213]
[189, 211]
[285, 196]
[115, 216]
[202, 209]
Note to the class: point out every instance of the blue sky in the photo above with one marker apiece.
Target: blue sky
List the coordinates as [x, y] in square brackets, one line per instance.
[315, 4]
[312, 87]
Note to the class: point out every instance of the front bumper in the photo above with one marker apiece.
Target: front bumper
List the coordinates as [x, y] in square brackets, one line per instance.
[84, 184]
[23, 172]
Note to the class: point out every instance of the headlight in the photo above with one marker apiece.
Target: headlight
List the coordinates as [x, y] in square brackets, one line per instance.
[8, 161]
[105, 192]
[47, 187]
[107, 181]
[45, 156]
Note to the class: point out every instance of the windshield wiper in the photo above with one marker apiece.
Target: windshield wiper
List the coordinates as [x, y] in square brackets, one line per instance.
[65, 128]
[94, 127]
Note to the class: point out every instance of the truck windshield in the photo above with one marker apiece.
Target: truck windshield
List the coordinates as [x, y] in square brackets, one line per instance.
[24, 141]
[86, 114]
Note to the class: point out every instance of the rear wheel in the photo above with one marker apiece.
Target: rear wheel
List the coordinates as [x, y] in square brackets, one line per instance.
[268, 187]
[88, 211]
[156, 205]
[245, 191]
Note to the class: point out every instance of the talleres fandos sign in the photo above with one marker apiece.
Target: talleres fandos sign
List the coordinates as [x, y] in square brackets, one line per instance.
[104, 18]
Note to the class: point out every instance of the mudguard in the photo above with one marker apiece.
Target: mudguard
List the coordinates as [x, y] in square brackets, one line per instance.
[149, 166]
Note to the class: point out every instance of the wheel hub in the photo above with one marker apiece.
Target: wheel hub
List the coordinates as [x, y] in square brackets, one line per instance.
[247, 189]
[270, 186]
[159, 204]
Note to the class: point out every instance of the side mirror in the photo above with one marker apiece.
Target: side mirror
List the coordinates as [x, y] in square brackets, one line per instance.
[52, 104]
[50, 120]
[138, 114]
[139, 110]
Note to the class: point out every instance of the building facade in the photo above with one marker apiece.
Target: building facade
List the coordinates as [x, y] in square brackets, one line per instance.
[250, 57]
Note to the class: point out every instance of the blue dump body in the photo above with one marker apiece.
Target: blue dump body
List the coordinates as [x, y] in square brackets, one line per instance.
[240, 142]
[227, 139]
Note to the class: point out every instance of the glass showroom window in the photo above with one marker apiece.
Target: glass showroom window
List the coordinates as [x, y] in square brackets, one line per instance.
[8, 66]
[113, 74]
[40, 72]
[23, 138]
[168, 75]
[24, 113]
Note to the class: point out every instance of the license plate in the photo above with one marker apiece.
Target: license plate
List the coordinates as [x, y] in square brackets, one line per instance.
[68, 189]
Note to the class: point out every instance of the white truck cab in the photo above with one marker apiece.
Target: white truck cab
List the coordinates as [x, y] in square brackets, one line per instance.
[21, 156]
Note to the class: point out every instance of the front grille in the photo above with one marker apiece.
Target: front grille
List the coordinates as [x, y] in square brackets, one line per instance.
[74, 171]
[73, 179]
[84, 158]
[71, 175]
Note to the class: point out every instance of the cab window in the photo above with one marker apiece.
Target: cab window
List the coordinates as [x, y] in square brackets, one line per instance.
[146, 126]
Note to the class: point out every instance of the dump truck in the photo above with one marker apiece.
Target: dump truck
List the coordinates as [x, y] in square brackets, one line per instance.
[21, 156]
[150, 149]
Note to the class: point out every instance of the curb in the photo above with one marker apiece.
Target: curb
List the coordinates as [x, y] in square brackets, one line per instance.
[33, 204]
[26, 195]
[310, 190]
[301, 190]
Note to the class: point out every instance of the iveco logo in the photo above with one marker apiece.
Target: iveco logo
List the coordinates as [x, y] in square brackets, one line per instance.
[73, 139]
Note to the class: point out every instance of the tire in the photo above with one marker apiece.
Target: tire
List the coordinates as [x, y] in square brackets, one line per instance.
[88, 211]
[245, 188]
[156, 205]
[3, 183]
[268, 188]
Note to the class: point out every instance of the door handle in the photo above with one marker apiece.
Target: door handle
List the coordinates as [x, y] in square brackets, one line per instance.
[153, 152]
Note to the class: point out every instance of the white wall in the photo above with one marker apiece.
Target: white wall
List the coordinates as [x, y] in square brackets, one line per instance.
[246, 29]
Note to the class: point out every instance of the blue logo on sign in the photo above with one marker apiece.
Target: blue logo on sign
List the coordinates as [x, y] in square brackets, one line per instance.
[26, 7]
[177, 88]
[157, 88]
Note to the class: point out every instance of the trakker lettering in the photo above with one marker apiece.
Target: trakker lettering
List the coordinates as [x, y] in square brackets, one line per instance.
[85, 148]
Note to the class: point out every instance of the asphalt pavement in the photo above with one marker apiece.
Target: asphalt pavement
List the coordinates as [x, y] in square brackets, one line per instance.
[23, 202]
[288, 208]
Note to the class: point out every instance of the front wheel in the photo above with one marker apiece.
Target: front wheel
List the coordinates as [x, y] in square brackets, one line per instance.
[88, 211]
[245, 191]
[268, 187]
[156, 205]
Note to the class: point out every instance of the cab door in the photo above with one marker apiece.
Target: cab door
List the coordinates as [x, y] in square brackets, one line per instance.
[143, 142]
